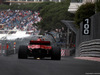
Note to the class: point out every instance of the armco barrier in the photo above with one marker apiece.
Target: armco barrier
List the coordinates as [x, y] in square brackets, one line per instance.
[90, 48]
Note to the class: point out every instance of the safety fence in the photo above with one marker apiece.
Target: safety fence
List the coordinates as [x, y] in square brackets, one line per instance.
[90, 48]
[8, 47]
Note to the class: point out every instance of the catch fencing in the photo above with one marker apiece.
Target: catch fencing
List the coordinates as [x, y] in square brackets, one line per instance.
[8, 47]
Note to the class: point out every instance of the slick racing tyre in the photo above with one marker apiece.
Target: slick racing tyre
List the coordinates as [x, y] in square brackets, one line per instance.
[56, 53]
[22, 53]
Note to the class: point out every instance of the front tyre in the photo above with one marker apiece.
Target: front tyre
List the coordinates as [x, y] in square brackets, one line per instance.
[22, 53]
[56, 53]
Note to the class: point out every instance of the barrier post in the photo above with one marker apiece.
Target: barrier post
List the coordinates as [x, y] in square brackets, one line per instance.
[14, 47]
[62, 52]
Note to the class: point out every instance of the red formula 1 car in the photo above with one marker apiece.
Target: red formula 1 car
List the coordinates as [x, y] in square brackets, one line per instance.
[40, 49]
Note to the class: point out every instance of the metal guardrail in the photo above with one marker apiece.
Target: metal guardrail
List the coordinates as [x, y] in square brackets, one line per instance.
[90, 48]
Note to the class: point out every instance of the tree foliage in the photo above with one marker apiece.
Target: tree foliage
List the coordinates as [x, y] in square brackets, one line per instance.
[98, 6]
[84, 11]
[52, 13]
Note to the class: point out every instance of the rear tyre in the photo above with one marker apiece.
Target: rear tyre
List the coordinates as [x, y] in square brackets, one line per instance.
[22, 53]
[56, 53]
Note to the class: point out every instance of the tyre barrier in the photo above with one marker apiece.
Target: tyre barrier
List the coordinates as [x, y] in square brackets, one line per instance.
[90, 48]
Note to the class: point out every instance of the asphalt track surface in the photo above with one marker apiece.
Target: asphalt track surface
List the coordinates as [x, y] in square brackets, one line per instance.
[11, 65]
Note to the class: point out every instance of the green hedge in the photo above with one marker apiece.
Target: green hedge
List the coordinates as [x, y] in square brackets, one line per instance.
[28, 6]
[98, 6]
[53, 14]
[84, 11]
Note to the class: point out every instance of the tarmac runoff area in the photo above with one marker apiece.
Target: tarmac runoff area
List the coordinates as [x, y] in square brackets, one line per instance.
[89, 58]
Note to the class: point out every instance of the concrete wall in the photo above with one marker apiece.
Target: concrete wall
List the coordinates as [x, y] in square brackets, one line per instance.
[94, 32]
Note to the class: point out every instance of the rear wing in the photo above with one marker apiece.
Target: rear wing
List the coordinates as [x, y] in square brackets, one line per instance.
[40, 42]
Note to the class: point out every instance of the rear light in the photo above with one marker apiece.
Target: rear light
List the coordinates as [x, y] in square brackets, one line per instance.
[40, 42]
